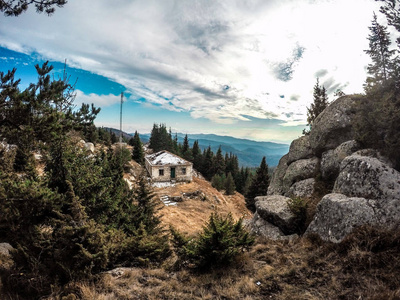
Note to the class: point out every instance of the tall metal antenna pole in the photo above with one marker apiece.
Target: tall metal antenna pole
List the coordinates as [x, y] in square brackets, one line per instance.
[120, 118]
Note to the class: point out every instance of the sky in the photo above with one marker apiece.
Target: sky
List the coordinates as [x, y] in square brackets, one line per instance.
[239, 68]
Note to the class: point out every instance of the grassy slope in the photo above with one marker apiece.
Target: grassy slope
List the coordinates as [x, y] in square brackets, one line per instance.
[364, 266]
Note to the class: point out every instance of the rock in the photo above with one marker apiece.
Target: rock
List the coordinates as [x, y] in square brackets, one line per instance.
[275, 210]
[367, 177]
[5, 249]
[89, 147]
[337, 215]
[263, 228]
[331, 159]
[375, 154]
[276, 184]
[300, 149]
[300, 170]
[176, 199]
[302, 189]
[333, 126]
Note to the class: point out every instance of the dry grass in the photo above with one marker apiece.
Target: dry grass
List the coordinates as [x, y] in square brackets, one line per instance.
[190, 215]
[365, 266]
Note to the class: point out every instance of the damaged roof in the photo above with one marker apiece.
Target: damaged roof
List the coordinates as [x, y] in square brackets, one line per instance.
[164, 158]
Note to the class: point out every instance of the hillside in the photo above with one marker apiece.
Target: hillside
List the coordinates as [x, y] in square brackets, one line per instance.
[193, 212]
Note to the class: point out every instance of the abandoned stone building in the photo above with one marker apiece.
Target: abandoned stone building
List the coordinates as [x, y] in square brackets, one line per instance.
[164, 166]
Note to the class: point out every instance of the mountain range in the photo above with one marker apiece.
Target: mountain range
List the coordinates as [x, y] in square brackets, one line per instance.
[249, 153]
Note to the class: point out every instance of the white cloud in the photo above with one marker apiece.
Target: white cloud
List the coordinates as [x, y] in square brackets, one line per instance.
[180, 54]
[97, 100]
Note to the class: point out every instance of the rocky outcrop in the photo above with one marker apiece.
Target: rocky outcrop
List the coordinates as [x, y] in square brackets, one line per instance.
[337, 215]
[263, 228]
[367, 177]
[275, 210]
[366, 192]
[300, 170]
[333, 126]
[366, 189]
[276, 184]
[300, 149]
[331, 159]
[302, 189]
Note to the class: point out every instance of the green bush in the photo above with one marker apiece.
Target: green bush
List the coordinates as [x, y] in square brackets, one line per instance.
[298, 206]
[221, 241]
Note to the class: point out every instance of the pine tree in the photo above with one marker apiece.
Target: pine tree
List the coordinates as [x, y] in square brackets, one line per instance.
[318, 106]
[186, 151]
[147, 206]
[206, 168]
[391, 9]
[218, 181]
[160, 138]
[218, 163]
[381, 67]
[197, 155]
[230, 185]
[137, 151]
[259, 185]
[221, 241]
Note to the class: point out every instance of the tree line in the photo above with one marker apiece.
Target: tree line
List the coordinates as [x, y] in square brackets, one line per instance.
[221, 170]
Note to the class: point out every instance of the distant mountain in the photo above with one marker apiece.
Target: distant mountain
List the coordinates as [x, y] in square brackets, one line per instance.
[249, 153]
[117, 131]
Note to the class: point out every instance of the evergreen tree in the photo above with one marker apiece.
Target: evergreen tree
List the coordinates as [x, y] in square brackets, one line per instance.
[381, 67]
[160, 138]
[218, 163]
[114, 138]
[186, 151]
[232, 164]
[221, 241]
[197, 155]
[318, 106]
[15, 8]
[146, 206]
[259, 185]
[207, 166]
[230, 185]
[137, 151]
[218, 181]
[391, 9]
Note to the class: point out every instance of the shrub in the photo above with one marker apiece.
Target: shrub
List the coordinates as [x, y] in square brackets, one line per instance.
[221, 241]
[298, 206]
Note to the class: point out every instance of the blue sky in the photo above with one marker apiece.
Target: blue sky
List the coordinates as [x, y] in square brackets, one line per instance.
[239, 68]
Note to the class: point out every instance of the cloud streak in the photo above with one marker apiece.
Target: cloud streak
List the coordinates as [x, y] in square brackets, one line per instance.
[182, 55]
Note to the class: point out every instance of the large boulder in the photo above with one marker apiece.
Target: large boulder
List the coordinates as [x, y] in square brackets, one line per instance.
[367, 177]
[300, 149]
[302, 189]
[337, 215]
[333, 126]
[366, 192]
[276, 184]
[331, 159]
[275, 210]
[300, 170]
[263, 228]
